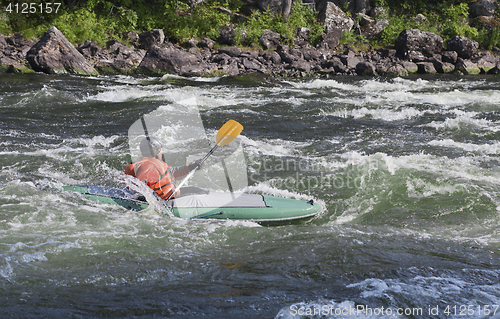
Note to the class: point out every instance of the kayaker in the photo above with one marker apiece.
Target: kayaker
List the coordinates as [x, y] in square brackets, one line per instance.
[157, 174]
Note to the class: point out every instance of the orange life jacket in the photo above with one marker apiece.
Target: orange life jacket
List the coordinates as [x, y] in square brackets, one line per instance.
[157, 175]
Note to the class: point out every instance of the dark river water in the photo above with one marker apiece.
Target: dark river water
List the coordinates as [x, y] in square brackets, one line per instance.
[407, 170]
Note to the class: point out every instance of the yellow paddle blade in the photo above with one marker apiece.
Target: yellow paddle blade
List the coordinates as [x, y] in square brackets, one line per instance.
[228, 132]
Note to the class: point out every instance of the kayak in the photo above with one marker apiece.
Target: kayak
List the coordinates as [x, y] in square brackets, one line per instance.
[263, 209]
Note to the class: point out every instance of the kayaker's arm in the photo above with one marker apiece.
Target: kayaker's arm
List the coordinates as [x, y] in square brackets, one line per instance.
[129, 170]
[180, 171]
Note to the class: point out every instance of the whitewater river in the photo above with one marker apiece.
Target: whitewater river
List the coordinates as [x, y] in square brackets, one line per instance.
[407, 170]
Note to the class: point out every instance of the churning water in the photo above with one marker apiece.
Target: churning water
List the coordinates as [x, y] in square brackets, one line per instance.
[407, 170]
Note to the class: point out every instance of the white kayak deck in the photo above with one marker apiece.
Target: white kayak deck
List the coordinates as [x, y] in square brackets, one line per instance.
[220, 200]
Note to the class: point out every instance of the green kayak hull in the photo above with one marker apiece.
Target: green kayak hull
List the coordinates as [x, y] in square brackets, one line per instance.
[262, 209]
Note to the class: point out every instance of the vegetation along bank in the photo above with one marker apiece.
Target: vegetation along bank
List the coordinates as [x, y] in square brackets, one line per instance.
[275, 37]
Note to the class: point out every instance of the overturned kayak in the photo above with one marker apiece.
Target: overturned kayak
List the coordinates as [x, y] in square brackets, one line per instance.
[259, 208]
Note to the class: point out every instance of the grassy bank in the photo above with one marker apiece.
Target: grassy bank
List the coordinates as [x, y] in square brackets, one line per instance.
[103, 20]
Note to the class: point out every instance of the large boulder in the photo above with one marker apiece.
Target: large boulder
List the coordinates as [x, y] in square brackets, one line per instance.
[232, 51]
[269, 39]
[207, 43]
[466, 67]
[486, 61]
[54, 54]
[333, 18]
[167, 58]
[465, 47]
[89, 48]
[366, 68]
[374, 28]
[483, 8]
[335, 22]
[410, 40]
[148, 38]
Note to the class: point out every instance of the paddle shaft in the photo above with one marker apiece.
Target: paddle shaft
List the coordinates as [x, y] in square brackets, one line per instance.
[192, 172]
[227, 133]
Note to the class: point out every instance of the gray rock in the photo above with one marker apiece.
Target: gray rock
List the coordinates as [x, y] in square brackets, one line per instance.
[366, 68]
[220, 58]
[3, 42]
[465, 47]
[420, 19]
[374, 28]
[231, 69]
[18, 40]
[302, 36]
[410, 67]
[227, 35]
[287, 54]
[192, 43]
[269, 39]
[275, 6]
[117, 66]
[450, 57]
[443, 67]
[247, 53]
[301, 65]
[483, 8]
[191, 70]
[148, 38]
[426, 68]
[207, 43]
[351, 59]
[251, 64]
[331, 40]
[311, 54]
[88, 48]
[166, 58]
[231, 51]
[397, 69]
[495, 70]
[132, 37]
[7, 61]
[337, 65]
[55, 54]
[486, 61]
[114, 46]
[416, 40]
[333, 18]
[467, 67]
[272, 57]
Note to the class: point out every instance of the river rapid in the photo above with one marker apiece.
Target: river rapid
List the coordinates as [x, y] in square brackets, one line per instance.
[407, 170]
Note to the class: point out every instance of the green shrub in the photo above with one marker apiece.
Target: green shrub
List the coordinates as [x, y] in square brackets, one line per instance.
[300, 16]
[82, 25]
[357, 41]
[455, 22]
[397, 24]
[489, 39]
[102, 20]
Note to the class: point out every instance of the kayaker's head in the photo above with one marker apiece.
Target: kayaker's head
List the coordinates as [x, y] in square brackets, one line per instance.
[151, 147]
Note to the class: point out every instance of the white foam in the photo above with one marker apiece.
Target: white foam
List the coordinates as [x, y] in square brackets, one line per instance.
[464, 119]
[378, 113]
[493, 148]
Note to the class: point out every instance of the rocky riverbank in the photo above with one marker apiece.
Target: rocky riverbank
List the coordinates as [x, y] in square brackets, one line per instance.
[414, 51]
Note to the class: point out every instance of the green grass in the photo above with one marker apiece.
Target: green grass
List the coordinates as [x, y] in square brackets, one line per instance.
[102, 20]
